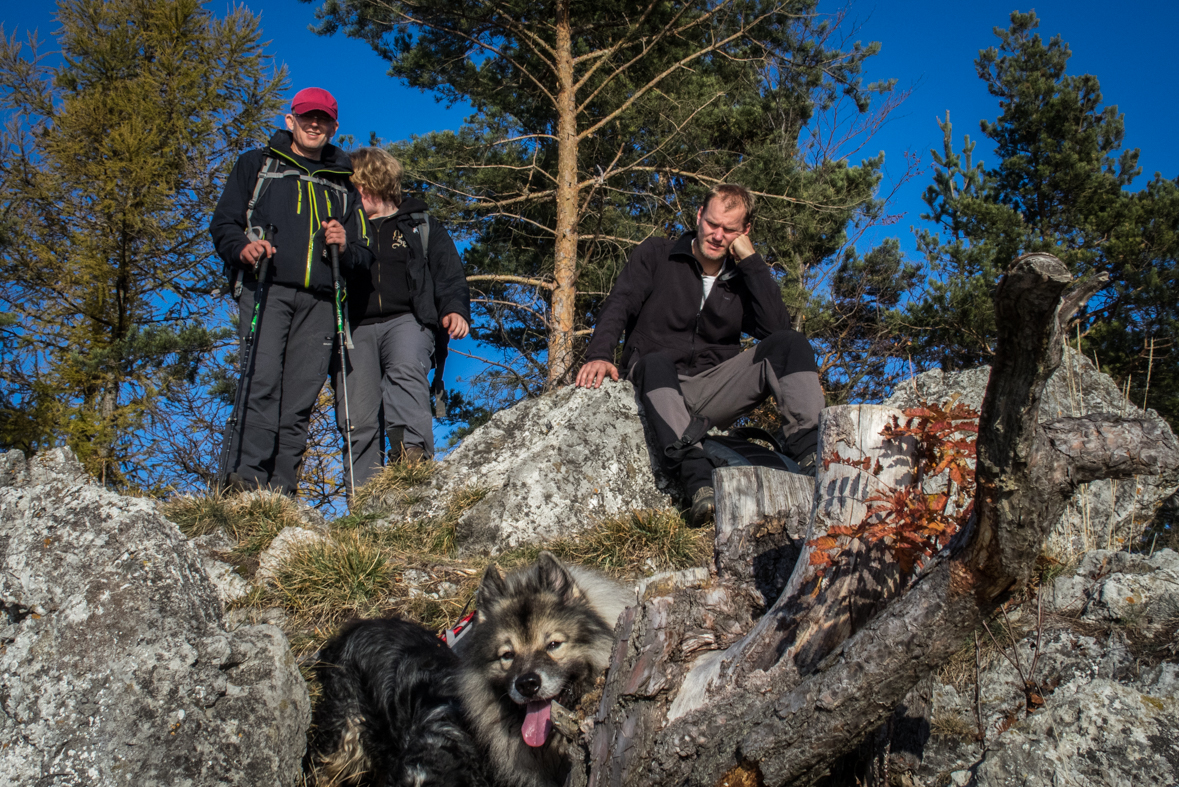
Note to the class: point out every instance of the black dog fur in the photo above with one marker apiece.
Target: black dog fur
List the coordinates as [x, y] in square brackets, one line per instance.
[390, 714]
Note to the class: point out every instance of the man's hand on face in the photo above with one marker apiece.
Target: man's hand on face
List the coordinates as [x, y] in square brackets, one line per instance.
[333, 233]
[255, 250]
[741, 247]
[592, 374]
[456, 326]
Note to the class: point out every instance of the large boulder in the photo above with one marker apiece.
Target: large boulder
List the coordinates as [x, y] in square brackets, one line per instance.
[550, 467]
[115, 665]
[1104, 659]
[1103, 514]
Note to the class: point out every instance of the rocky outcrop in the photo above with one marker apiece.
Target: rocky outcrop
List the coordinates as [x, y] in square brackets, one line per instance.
[116, 667]
[1103, 514]
[551, 466]
[1106, 668]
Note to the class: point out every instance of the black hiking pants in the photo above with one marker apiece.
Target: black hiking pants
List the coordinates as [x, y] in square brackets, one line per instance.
[681, 409]
[295, 335]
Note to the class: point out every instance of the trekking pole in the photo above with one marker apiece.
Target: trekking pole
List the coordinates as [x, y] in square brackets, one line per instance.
[342, 340]
[246, 361]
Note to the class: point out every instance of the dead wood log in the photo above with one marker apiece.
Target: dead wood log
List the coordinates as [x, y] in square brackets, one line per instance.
[698, 693]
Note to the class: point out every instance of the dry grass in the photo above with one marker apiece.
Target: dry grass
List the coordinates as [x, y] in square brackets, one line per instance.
[393, 481]
[252, 520]
[342, 577]
[656, 538]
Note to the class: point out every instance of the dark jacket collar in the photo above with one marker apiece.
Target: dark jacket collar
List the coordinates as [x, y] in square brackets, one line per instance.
[683, 250]
[332, 158]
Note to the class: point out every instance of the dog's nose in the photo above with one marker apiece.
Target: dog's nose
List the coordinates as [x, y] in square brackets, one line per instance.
[528, 684]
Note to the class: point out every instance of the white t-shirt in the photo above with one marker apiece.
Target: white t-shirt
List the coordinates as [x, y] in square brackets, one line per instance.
[708, 282]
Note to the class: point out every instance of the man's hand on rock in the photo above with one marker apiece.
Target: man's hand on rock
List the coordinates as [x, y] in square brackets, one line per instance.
[592, 374]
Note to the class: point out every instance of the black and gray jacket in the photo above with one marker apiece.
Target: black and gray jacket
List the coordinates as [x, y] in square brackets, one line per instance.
[402, 277]
[656, 303]
[307, 193]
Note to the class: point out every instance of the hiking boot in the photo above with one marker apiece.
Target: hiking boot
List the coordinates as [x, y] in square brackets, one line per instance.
[412, 454]
[703, 508]
[808, 464]
[236, 484]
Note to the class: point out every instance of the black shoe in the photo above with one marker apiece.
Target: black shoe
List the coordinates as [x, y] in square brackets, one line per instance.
[236, 484]
[808, 464]
[703, 509]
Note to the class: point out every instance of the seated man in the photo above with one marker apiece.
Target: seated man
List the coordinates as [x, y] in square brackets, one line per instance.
[683, 305]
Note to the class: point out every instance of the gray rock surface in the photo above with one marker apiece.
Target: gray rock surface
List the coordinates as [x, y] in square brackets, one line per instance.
[1103, 514]
[115, 664]
[551, 465]
[1108, 667]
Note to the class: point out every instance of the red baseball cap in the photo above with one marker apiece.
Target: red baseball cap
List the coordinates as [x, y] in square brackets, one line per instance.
[310, 99]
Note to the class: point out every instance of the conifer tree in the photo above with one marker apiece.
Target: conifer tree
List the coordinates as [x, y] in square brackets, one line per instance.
[1061, 186]
[600, 124]
[110, 159]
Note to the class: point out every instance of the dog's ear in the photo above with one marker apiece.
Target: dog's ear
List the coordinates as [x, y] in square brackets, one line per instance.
[553, 576]
[492, 588]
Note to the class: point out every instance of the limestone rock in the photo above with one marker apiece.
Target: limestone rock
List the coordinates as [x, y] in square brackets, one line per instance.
[115, 665]
[551, 466]
[1107, 719]
[1102, 515]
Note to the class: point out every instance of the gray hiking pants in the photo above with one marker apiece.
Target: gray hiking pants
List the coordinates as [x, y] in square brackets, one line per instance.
[782, 365]
[294, 348]
[388, 392]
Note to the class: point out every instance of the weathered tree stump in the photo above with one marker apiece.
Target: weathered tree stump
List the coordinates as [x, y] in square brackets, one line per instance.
[698, 691]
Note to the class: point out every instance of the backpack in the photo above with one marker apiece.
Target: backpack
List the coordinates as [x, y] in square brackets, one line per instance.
[441, 337]
[736, 449]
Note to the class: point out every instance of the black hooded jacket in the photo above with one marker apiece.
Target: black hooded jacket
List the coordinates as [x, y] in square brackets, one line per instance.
[656, 302]
[294, 205]
[437, 286]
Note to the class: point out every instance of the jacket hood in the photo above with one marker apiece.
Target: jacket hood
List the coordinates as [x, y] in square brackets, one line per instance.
[331, 157]
[410, 205]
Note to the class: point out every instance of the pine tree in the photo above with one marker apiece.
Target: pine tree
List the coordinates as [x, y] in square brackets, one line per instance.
[110, 161]
[1061, 186]
[600, 124]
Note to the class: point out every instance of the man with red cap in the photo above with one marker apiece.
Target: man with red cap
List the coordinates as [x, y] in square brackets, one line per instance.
[288, 202]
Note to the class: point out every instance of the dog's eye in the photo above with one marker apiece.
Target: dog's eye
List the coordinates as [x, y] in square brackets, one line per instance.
[554, 645]
[507, 656]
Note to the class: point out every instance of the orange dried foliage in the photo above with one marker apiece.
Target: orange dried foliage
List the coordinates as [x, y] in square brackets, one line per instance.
[911, 523]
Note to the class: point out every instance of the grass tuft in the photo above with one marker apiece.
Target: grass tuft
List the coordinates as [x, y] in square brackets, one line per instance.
[333, 579]
[394, 481]
[252, 519]
[655, 537]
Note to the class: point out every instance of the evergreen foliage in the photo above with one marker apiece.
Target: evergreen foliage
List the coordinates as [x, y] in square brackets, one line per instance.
[598, 125]
[111, 161]
[1061, 186]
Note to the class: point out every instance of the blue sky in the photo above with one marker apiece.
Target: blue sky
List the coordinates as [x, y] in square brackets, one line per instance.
[928, 46]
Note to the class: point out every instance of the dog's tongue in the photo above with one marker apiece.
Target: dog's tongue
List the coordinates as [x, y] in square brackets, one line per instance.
[537, 723]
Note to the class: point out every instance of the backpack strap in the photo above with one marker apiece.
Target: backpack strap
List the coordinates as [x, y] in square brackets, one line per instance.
[441, 337]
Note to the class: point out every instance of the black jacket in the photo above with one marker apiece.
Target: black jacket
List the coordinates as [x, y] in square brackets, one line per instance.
[295, 205]
[437, 285]
[656, 302]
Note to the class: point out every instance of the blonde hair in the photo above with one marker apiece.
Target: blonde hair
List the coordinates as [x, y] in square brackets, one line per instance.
[378, 173]
[732, 195]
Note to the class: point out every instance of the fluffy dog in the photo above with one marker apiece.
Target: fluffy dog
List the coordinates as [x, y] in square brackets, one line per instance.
[541, 634]
[390, 714]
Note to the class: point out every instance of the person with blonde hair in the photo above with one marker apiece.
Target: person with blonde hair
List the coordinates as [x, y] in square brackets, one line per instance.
[402, 311]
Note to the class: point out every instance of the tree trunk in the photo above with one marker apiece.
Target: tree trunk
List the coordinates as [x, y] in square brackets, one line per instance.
[698, 693]
[565, 258]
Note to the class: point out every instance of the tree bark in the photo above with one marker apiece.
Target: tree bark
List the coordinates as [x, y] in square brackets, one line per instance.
[699, 693]
[565, 259]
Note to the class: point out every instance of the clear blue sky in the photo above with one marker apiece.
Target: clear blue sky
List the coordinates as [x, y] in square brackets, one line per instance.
[927, 45]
